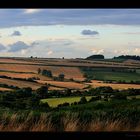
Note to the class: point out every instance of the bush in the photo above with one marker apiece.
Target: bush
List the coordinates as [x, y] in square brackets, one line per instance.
[42, 92]
[71, 79]
[44, 105]
[47, 73]
[120, 96]
[64, 104]
[99, 106]
[75, 103]
[95, 98]
[61, 77]
[83, 100]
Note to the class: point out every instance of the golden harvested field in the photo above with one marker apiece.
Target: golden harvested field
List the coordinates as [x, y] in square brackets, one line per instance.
[71, 85]
[70, 72]
[18, 75]
[20, 84]
[5, 89]
[24, 75]
[6, 60]
[55, 88]
[96, 83]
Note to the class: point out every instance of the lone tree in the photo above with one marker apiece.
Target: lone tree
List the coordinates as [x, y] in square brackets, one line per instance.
[42, 92]
[39, 70]
[61, 77]
[47, 73]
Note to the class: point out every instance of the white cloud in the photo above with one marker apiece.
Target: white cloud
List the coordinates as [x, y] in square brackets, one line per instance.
[31, 11]
[122, 52]
[97, 51]
[125, 52]
[137, 50]
[50, 52]
[116, 51]
[23, 52]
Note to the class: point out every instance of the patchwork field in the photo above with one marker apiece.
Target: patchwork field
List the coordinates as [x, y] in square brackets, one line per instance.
[71, 68]
[70, 72]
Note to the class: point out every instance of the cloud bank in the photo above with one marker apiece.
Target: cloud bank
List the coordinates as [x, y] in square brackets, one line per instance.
[89, 32]
[18, 46]
[36, 17]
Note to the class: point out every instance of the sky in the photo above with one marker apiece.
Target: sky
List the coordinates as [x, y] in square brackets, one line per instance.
[69, 33]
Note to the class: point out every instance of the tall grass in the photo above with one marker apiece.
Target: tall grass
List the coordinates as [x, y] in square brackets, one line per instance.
[68, 122]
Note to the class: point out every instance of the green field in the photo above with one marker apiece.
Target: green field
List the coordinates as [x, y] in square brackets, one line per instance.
[107, 74]
[54, 102]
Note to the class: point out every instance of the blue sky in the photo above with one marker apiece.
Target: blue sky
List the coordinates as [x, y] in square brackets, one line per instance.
[69, 32]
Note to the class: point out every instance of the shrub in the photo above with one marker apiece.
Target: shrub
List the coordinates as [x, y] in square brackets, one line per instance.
[75, 103]
[120, 96]
[42, 92]
[83, 100]
[44, 105]
[47, 73]
[95, 98]
[61, 77]
[64, 104]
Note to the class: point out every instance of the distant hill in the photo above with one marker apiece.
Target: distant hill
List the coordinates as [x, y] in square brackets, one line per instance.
[92, 57]
[133, 57]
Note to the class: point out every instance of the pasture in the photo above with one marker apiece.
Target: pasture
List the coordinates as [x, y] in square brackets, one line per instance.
[54, 102]
[109, 74]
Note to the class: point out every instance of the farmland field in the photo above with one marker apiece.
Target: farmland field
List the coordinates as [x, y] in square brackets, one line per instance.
[54, 102]
[70, 72]
[71, 85]
[107, 74]
[5, 89]
[96, 83]
[71, 68]
[20, 84]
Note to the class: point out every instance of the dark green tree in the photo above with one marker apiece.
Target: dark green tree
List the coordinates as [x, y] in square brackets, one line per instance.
[83, 100]
[47, 73]
[42, 92]
[61, 77]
